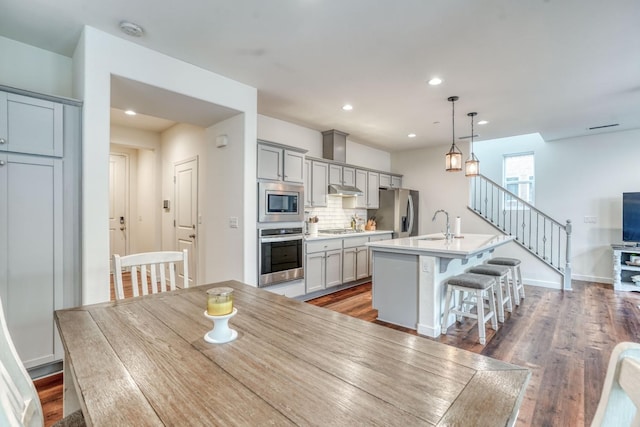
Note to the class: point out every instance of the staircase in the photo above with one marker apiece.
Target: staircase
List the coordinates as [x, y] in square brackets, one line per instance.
[538, 233]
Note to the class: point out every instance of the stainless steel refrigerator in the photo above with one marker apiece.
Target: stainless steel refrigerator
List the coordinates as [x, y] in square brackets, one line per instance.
[398, 211]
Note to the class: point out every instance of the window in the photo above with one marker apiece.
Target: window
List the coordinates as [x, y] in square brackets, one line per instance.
[519, 178]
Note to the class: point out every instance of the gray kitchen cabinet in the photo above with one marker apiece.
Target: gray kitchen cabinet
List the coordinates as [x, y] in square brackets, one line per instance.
[293, 166]
[314, 272]
[307, 183]
[361, 183]
[390, 181]
[385, 180]
[375, 238]
[333, 275]
[270, 162]
[30, 252]
[348, 176]
[280, 164]
[355, 259]
[373, 185]
[335, 174]
[30, 125]
[319, 183]
[323, 264]
[40, 180]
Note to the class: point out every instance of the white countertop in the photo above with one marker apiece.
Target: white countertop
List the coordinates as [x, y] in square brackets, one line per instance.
[435, 245]
[321, 236]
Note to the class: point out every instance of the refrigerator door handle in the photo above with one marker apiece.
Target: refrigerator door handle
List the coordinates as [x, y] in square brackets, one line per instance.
[410, 214]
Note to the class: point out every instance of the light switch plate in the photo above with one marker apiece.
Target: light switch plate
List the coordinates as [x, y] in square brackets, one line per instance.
[233, 222]
[590, 219]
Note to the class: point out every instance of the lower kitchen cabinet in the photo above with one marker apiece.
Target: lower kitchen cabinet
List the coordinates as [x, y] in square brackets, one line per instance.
[333, 260]
[323, 264]
[355, 259]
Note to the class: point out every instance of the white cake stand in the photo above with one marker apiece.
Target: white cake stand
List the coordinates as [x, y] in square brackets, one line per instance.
[221, 333]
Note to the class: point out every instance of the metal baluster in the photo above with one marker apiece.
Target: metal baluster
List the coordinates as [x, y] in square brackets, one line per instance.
[551, 245]
[537, 233]
[544, 238]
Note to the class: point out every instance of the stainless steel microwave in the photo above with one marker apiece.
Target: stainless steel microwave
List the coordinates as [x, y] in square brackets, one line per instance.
[280, 202]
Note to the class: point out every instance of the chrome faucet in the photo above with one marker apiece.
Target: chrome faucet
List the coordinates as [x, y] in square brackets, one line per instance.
[447, 234]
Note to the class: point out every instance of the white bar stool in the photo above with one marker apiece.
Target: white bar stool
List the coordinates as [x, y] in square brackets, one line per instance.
[516, 275]
[502, 288]
[469, 284]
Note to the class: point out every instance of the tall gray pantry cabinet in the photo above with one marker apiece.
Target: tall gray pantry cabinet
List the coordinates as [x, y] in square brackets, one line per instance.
[39, 219]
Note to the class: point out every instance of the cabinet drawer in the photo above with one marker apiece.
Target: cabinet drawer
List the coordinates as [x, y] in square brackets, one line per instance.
[354, 242]
[323, 245]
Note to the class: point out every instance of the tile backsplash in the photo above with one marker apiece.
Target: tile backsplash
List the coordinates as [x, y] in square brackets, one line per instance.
[334, 215]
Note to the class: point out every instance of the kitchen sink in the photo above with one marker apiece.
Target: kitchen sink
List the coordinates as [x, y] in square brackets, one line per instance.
[432, 238]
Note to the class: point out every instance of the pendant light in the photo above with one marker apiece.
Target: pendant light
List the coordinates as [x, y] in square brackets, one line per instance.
[453, 159]
[472, 166]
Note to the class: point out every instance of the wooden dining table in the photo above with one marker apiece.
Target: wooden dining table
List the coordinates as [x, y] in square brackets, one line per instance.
[143, 361]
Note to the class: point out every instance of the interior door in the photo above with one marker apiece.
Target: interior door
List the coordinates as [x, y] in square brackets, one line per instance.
[118, 204]
[186, 212]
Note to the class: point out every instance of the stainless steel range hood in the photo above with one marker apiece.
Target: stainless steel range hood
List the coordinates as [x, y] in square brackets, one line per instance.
[344, 190]
[334, 147]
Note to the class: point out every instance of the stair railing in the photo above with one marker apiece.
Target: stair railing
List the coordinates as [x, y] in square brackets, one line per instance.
[537, 232]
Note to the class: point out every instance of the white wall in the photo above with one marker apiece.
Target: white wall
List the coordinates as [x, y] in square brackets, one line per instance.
[275, 130]
[31, 68]
[574, 178]
[424, 171]
[98, 56]
[286, 133]
[224, 244]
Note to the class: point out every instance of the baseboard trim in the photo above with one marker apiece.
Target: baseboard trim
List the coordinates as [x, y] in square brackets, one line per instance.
[607, 280]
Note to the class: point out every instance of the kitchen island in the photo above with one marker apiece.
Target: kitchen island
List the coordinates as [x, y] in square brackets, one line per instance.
[409, 275]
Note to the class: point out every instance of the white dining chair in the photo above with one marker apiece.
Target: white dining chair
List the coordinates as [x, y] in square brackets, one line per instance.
[19, 402]
[152, 267]
[620, 400]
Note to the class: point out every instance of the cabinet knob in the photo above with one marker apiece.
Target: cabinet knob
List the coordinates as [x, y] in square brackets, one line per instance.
[2, 163]
[3, 141]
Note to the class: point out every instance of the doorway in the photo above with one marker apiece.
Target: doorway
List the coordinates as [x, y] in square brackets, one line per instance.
[185, 178]
[118, 204]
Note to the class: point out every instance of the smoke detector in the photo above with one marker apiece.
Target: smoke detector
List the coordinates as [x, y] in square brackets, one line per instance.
[131, 29]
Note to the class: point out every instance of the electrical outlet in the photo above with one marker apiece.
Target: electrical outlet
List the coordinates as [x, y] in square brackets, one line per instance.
[233, 222]
[590, 219]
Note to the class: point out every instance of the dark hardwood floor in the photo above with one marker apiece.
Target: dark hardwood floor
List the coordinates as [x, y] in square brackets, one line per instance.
[565, 338]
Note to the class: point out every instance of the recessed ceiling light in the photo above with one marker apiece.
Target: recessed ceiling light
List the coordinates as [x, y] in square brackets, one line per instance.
[483, 122]
[347, 107]
[131, 29]
[435, 81]
[411, 135]
[130, 113]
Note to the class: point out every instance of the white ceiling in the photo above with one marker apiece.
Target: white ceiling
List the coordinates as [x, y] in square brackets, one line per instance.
[551, 66]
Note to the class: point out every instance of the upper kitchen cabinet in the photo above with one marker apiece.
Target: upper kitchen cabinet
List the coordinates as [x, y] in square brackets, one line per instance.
[390, 181]
[319, 184]
[342, 175]
[373, 185]
[361, 183]
[278, 163]
[307, 183]
[348, 176]
[30, 125]
[335, 174]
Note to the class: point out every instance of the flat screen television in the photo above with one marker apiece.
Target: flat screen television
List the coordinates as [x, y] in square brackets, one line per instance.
[631, 217]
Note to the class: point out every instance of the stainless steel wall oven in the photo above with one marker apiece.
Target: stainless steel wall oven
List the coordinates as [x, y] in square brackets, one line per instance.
[280, 255]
